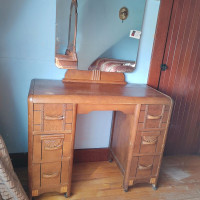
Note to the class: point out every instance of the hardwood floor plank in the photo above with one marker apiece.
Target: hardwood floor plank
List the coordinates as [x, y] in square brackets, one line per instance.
[179, 180]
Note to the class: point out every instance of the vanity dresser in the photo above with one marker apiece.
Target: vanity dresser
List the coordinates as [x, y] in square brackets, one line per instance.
[139, 127]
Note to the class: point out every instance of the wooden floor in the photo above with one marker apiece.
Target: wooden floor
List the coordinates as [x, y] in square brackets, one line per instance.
[179, 180]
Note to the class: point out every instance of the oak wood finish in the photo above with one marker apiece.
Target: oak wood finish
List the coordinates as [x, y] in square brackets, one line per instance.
[66, 61]
[106, 94]
[181, 80]
[53, 106]
[20, 160]
[94, 76]
[86, 108]
[138, 143]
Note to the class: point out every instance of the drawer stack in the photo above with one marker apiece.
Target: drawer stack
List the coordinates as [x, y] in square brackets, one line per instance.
[149, 144]
[52, 148]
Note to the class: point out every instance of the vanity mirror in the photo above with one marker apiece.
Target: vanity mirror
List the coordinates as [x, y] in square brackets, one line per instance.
[101, 39]
[68, 60]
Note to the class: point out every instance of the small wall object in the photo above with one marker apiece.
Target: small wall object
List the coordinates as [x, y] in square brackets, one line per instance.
[135, 34]
[123, 13]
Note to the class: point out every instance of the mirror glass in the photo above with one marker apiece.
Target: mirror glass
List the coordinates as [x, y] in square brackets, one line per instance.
[103, 39]
[62, 25]
[68, 59]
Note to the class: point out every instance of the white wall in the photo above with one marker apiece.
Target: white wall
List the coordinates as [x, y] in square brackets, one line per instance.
[27, 46]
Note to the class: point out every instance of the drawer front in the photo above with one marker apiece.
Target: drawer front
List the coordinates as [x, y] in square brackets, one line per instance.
[144, 166]
[47, 175]
[50, 174]
[148, 142]
[52, 117]
[47, 148]
[153, 116]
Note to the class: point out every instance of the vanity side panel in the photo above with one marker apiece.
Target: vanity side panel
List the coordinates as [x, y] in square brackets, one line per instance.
[121, 138]
[30, 138]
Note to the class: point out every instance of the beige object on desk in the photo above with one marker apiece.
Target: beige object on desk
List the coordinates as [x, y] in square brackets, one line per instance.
[10, 187]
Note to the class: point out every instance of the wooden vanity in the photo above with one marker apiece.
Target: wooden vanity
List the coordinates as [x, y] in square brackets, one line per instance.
[140, 121]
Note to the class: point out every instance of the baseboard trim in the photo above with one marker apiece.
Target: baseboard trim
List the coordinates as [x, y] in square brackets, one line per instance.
[80, 155]
[91, 155]
[19, 159]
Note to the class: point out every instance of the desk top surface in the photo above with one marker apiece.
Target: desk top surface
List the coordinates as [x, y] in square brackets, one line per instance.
[46, 90]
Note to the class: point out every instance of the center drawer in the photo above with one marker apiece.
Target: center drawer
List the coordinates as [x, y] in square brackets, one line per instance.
[48, 148]
[148, 142]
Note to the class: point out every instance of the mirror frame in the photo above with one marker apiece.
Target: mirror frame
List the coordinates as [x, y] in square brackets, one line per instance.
[69, 59]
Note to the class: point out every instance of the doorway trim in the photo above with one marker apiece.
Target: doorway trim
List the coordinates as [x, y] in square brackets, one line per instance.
[160, 39]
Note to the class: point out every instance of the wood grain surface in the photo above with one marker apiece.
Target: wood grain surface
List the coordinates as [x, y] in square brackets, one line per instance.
[179, 179]
[55, 106]
[161, 33]
[181, 80]
[47, 90]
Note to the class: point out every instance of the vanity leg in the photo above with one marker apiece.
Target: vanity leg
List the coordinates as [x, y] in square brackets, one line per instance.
[154, 183]
[110, 157]
[154, 186]
[125, 185]
[125, 188]
[68, 193]
[110, 160]
[66, 196]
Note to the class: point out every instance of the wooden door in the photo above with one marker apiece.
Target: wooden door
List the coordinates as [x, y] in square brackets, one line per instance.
[181, 80]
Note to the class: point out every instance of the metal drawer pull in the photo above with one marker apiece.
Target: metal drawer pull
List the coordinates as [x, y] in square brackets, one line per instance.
[54, 117]
[53, 148]
[53, 175]
[142, 167]
[154, 117]
[149, 139]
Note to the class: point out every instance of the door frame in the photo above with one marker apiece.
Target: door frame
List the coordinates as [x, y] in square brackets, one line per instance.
[161, 33]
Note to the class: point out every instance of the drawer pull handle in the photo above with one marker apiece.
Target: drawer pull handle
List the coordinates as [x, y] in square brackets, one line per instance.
[53, 175]
[142, 167]
[53, 148]
[50, 145]
[53, 117]
[149, 139]
[154, 117]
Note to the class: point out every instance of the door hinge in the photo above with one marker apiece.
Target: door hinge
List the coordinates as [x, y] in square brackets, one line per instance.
[163, 67]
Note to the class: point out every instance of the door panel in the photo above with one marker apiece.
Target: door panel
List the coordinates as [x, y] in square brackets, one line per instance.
[181, 80]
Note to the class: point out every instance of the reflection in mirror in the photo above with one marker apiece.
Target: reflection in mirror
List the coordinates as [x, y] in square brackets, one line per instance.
[103, 39]
[69, 59]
